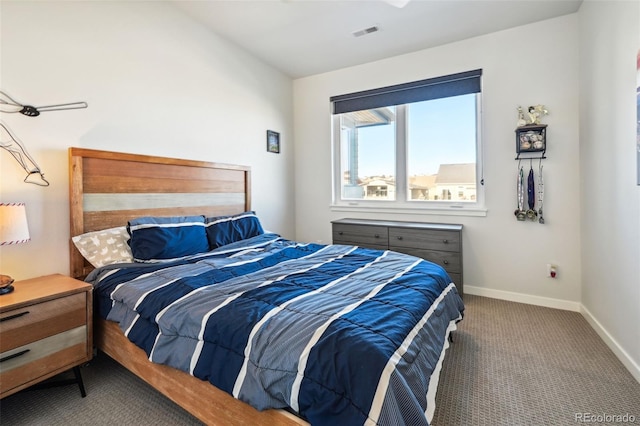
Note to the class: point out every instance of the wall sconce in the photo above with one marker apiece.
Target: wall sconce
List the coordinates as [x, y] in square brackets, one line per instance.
[13, 230]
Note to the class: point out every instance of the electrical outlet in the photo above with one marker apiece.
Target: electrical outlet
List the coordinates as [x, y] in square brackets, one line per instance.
[552, 270]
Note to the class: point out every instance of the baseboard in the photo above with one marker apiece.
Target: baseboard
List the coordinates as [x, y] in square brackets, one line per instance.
[620, 353]
[547, 302]
[567, 305]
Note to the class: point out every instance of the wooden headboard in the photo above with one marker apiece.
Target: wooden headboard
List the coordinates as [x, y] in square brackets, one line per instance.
[107, 189]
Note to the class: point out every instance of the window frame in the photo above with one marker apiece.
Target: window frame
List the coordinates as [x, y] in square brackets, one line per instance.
[402, 204]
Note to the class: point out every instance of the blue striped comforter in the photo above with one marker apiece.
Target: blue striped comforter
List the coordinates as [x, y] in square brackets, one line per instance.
[339, 334]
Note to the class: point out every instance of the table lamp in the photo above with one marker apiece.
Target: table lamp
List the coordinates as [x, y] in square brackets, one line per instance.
[13, 230]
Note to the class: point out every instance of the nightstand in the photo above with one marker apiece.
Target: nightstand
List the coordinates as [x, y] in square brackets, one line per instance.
[46, 328]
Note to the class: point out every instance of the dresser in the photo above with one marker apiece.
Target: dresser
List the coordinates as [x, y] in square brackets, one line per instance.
[435, 242]
[45, 329]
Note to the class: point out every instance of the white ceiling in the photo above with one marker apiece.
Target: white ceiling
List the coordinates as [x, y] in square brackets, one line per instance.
[306, 37]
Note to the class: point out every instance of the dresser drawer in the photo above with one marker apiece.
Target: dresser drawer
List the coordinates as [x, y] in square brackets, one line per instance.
[36, 359]
[457, 280]
[31, 323]
[424, 239]
[450, 261]
[361, 235]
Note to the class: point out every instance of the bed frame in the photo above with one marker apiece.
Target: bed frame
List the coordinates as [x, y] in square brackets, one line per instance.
[106, 189]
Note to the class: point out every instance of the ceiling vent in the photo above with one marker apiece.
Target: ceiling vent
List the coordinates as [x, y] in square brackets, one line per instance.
[366, 31]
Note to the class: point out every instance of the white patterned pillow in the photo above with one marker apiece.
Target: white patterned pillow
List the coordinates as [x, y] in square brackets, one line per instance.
[105, 247]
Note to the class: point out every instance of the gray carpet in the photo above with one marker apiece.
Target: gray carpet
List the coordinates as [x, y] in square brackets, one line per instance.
[114, 397]
[517, 364]
[510, 364]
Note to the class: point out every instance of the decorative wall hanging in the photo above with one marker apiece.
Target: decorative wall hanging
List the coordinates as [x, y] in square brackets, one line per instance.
[9, 142]
[531, 135]
[532, 192]
[540, 192]
[531, 140]
[273, 141]
[8, 105]
[19, 152]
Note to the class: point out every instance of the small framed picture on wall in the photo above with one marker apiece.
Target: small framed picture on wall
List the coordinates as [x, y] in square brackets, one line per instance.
[273, 141]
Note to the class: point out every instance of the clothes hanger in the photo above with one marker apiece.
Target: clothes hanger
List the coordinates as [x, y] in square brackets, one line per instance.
[19, 152]
[8, 105]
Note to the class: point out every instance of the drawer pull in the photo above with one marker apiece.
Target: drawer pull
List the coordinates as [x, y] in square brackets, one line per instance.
[445, 241]
[16, 355]
[376, 235]
[446, 262]
[399, 237]
[10, 317]
[340, 232]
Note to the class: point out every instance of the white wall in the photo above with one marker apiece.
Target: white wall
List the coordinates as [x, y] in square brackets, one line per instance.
[528, 65]
[157, 83]
[610, 39]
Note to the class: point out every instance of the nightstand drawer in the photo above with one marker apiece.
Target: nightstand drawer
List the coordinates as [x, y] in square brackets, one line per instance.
[31, 323]
[36, 359]
[424, 239]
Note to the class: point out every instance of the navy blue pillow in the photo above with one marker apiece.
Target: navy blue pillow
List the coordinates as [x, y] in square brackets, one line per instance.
[162, 238]
[222, 230]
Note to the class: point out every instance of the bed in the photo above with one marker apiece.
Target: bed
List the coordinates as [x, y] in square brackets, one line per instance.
[249, 327]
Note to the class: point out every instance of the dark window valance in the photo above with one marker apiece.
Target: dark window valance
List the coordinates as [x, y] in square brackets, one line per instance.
[463, 83]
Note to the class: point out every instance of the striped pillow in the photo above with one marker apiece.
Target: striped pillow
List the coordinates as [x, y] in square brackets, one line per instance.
[222, 230]
[164, 238]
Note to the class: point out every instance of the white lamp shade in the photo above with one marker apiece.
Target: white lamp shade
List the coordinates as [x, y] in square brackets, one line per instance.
[13, 224]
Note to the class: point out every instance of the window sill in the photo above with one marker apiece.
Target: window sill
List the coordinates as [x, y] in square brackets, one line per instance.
[440, 211]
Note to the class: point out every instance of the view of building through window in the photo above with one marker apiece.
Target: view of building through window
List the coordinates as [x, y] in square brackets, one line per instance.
[436, 137]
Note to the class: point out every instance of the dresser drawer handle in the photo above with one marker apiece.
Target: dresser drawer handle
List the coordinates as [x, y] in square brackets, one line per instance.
[446, 262]
[10, 317]
[16, 355]
[445, 241]
[399, 237]
[340, 232]
[376, 235]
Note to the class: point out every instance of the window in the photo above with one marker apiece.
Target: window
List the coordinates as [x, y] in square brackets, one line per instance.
[410, 146]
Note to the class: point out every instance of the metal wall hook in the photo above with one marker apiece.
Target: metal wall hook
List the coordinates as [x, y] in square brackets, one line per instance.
[41, 182]
[19, 152]
[9, 105]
